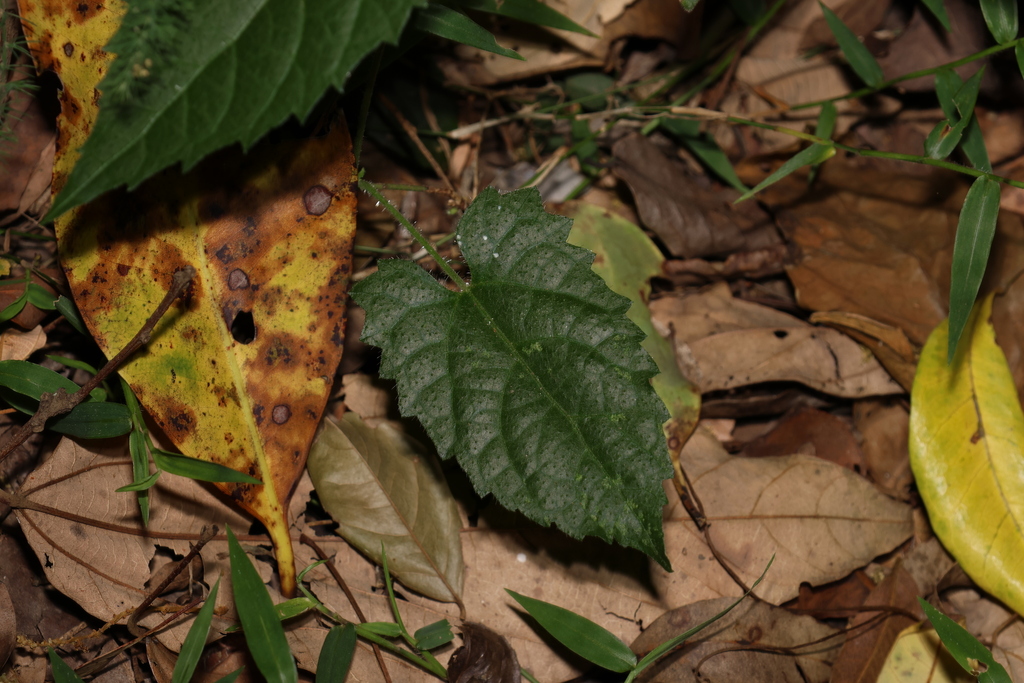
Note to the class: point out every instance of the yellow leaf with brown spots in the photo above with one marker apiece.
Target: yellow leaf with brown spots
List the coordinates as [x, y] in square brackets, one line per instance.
[238, 372]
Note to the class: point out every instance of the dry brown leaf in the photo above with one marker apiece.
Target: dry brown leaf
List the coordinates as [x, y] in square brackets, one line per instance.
[811, 432]
[889, 344]
[884, 429]
[821, 521]
[749, 626]
[27, 155]
[928, 562]
[485, 657]
[863, 654]
[834, 600]
[18, 345]
[689, 217]
[8, 626]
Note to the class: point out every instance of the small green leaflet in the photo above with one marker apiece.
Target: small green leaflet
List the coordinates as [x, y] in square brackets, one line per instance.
[591, 641]
[336, 654]
[938, 8]
[974, 234]
[861, 61]
[532, 377]
[195, 640]
[452, 24]
[62, 673]
[240, 67]
[815, 154]
[1001, 19]
[964, 647]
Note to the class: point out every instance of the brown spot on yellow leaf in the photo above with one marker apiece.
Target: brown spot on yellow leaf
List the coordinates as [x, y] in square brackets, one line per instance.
[317, 200]
[69, 49]
[281, 414]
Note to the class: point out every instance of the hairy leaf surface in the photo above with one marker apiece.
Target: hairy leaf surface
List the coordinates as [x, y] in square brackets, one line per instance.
[966, 436]
[380, 487]
[532, 376]
[242, 67]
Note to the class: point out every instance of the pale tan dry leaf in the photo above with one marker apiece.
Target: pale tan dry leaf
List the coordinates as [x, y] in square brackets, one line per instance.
[884, 427]
[368, 396]
[821, 521]
[104, 567]
[750, 625]
[714, 310]
[928, 562]
[381, 486]
[18, 345]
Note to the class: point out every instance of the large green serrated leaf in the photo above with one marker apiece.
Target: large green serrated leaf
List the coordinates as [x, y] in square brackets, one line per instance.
[532, 376]
[241, 67]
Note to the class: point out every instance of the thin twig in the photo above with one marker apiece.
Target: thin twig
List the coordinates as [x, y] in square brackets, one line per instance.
[348, 594]
[410, 130]
[51, 405]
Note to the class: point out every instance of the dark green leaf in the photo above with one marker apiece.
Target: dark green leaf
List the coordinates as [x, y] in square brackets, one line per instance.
[861, 61]
[591, 641]
[263, 631]
[938, 8]
[289, 609]
[138, 447]
[973, 145]
[336, 654]
[533, 376]
[434, 635]
[530, 11]
[947, 134]
[62, 673]
[974, 235]
[14, 308]
[40, 298]
[200, 470]
[66, 307]
[826, 121]
[230, 678]
[452, 24]
[33, 380]
[1001, 19]
[387, 629]
[93, 420]
[143, 484]
[964, 647]
[815, 154]
[195, 640]
[689, 5]
[947, 84]
[242, 67]
[1018, 52]
[590, 90]
[711, 155]
[749, 11]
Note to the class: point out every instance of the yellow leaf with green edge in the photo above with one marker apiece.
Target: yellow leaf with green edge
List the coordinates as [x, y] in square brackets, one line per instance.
[626, 259]
[917, 656]
[239, 370]
[966, 440]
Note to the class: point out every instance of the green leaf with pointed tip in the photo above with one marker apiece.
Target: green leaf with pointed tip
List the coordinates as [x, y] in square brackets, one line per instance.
[93, 420]
[861, 61]
[1001, 19]
[336, 655]
[947, 134]
[591, 641]
[815, 154]
[240, 67]
[974, 234]
[529, 11]
[964, 647]
[938, 8]
[262, 628]
[66, 307]
[195, 640]
[200, 470]
[433, 635]
[62, 673]
[711, 155]
[452, 24]
[532, 376]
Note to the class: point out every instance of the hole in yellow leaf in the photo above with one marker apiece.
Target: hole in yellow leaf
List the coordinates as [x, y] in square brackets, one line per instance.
[243, 329]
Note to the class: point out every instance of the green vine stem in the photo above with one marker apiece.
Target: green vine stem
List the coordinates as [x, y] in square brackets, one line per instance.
[372, 189]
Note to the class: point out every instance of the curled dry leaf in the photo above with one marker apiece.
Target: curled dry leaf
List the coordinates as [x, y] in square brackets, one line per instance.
[18, 345]
[239, 371]
[485, 657]
[747, 631]
[740, 349]
[820, 520]
[382, 486]
[100, 557]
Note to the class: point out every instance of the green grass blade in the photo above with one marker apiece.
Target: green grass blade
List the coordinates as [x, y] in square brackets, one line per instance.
[1001, 19]
[434, 635]
[62, 673]
[589, 640]
[711, 155]
[143, 484]
[938, 9]
[826, 121]
[973, 145]
[947, 83]
[40, 298]
[263, 631]
[66, 307]
[529, 11]
[93, 420]
[33, 380]
[964, 647]
[195, 640]
[971, 248]
[452, 24]
[230, 678]
[336, 655]
[815, 154]
[200, 470]
[861, 61]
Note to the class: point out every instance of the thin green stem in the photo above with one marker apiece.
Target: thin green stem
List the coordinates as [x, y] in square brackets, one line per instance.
[528, 676]
[372, 189]
[364, 108]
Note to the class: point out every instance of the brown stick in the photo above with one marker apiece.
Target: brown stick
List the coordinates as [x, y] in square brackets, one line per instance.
[348, 594]
[51, 405]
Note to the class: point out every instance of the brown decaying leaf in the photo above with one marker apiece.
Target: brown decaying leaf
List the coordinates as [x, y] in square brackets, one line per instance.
[864, 653]
[749, 626]
[485, 657]
[834, 600]
[890, 346]
[884, 426]
[18, 345]
[740, 351]
[8, 626]
[381, 486]
[689, 217]
[811, 432]
[821, 521]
